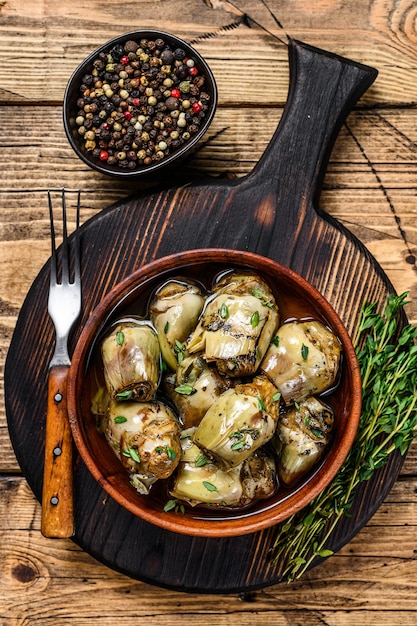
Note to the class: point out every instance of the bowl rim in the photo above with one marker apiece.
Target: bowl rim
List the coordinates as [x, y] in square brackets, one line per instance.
[178, 154]
[199, 526]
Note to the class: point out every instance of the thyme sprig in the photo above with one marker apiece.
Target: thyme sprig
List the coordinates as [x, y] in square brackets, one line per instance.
[387, 356]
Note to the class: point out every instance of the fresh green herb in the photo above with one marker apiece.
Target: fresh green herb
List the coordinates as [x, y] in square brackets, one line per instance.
[224, 311]
[209, 486]
[201, 461]
[317, 432]
[174, 505]
[166, 328]
[238, 445]
[186, 436]
[120, 337]
[120, 419]
[254, 320]
[132, 453]
[186, 389]
[387, 355]
[236, 435]
[261, 404]
[275, 341]
[170, 452]
[170, 505]
[263, 297]
[276, 397]
[179, 349]
[304, 352]
[125, 395]
[172, 455]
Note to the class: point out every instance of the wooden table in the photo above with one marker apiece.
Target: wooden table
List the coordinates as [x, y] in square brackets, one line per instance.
[370, 187]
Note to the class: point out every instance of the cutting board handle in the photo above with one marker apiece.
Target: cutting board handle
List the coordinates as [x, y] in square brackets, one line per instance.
[323, 89]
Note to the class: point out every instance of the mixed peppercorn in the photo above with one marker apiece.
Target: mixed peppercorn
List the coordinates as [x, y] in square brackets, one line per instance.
[141, 102]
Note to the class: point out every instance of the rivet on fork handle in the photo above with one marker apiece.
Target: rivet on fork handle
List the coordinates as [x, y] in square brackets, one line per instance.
[57, 498]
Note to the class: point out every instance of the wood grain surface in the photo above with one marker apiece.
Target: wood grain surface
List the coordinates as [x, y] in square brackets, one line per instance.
[370, 186]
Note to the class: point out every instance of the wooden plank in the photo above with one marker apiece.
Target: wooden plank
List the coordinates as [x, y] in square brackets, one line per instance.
[52, 40]
[46, 579]
[367, 187]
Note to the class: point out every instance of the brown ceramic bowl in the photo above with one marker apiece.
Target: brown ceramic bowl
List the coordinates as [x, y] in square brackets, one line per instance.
[296, 298]
[72, 93]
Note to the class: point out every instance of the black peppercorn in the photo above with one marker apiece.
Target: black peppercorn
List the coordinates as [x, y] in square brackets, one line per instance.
[182, 72]
[179, 54]
[167, 56]
[117, 52]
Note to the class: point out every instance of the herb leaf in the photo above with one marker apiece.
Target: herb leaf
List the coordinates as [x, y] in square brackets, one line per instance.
[132, 453]
[125, 395]
[209, 486]
[387, 354]
[186, 389]
[254, 320]
[201, 461]
[224, 311]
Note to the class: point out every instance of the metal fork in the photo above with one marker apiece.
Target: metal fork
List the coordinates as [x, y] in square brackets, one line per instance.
[64, 307]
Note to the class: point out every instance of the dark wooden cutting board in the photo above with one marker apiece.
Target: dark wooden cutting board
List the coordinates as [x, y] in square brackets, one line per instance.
[274, 212]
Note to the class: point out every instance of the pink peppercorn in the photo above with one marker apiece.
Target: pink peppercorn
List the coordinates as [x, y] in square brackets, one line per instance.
[104, 155]
[175, 93]
[124, 60]
[197, 107]
[128, 115]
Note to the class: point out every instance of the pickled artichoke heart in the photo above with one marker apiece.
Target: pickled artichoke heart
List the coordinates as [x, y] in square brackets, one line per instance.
[199, 479]
[146, 437]
[193, 389]
[245, 282]
[302, 434]
[131, 360]
[174, 311]
[258, 477]
[302, 360]
[237, 325]
[99, 408]
[239, 422]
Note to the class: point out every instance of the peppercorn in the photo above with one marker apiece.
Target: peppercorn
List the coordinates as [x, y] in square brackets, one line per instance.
[140, 102]
[130, 46]
[182, 72]
[179, 54]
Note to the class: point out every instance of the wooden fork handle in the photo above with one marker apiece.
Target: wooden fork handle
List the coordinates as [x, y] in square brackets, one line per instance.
[57, 496]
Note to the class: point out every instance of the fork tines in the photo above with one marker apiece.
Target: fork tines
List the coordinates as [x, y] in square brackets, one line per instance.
[65, 278]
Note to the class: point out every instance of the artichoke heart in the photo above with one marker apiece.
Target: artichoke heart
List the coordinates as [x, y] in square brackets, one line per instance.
[146, 438]
[239, 422]
[302, 434]
[237, 325]
[193, 388]
[174, 311]
[200, 480]
[258, 476]
[303, 360]
[131, 360]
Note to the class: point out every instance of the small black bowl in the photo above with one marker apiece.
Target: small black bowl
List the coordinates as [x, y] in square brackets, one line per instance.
[137, 107]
